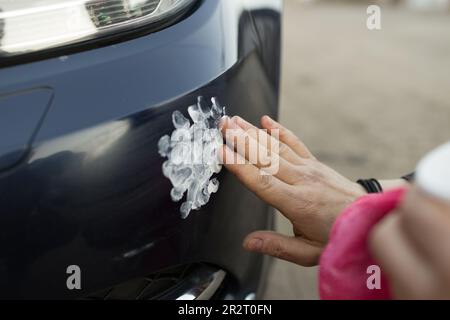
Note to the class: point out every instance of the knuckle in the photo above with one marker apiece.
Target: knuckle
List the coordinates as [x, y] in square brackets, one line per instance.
[295, 140]
[283, 133]
[275, 248]
[282, 148]
[265, 182]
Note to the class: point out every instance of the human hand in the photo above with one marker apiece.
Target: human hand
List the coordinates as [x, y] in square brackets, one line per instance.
[304, 190]
[412, 247]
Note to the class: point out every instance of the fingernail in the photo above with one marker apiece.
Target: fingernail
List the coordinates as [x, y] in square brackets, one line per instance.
[271, 121]
[254, 244]
[233, 123]
[223, 121]
[241, 122]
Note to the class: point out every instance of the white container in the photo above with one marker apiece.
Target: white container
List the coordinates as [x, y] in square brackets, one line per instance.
[433, 173]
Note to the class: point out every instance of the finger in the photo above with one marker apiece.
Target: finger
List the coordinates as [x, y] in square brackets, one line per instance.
[258, 155]
[409, 276]
[283, 150]
[268, 188]
[286, 136]
[427, 225]
[283, 247]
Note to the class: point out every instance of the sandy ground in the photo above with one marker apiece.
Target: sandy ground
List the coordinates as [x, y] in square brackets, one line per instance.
[368, 103]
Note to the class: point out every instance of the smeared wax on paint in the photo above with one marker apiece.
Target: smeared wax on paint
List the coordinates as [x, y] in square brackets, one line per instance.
[192, 153]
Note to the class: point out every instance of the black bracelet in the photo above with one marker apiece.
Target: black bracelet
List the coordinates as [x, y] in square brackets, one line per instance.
[370, 185]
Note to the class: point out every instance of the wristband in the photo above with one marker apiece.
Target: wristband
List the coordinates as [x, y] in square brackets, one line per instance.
[370, 185]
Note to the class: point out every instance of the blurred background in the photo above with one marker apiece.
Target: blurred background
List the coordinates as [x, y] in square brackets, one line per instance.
[367, 103]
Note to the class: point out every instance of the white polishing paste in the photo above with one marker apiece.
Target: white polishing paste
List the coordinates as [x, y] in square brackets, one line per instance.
[192, 154]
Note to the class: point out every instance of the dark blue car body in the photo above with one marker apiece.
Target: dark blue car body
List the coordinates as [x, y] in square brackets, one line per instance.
[80, 174]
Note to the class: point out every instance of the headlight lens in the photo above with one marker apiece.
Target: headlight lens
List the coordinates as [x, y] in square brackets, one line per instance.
[32, 25]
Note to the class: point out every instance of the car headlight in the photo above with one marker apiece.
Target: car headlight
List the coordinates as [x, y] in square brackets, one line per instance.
[34, 25]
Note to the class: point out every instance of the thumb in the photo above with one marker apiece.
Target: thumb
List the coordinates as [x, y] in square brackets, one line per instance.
[283, 247]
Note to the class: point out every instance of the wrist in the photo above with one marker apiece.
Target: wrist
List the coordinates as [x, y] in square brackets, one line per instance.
[359, 190]
[355, 192]
[392, 184]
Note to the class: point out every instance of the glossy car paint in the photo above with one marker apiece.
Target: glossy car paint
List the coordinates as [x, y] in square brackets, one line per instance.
[88, 188]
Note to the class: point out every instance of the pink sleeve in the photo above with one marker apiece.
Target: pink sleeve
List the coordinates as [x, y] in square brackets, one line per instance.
[344, 263]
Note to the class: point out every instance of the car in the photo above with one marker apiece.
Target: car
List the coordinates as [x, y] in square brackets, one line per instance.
[87, 89]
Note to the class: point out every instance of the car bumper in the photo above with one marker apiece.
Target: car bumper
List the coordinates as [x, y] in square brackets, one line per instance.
[89, 190]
